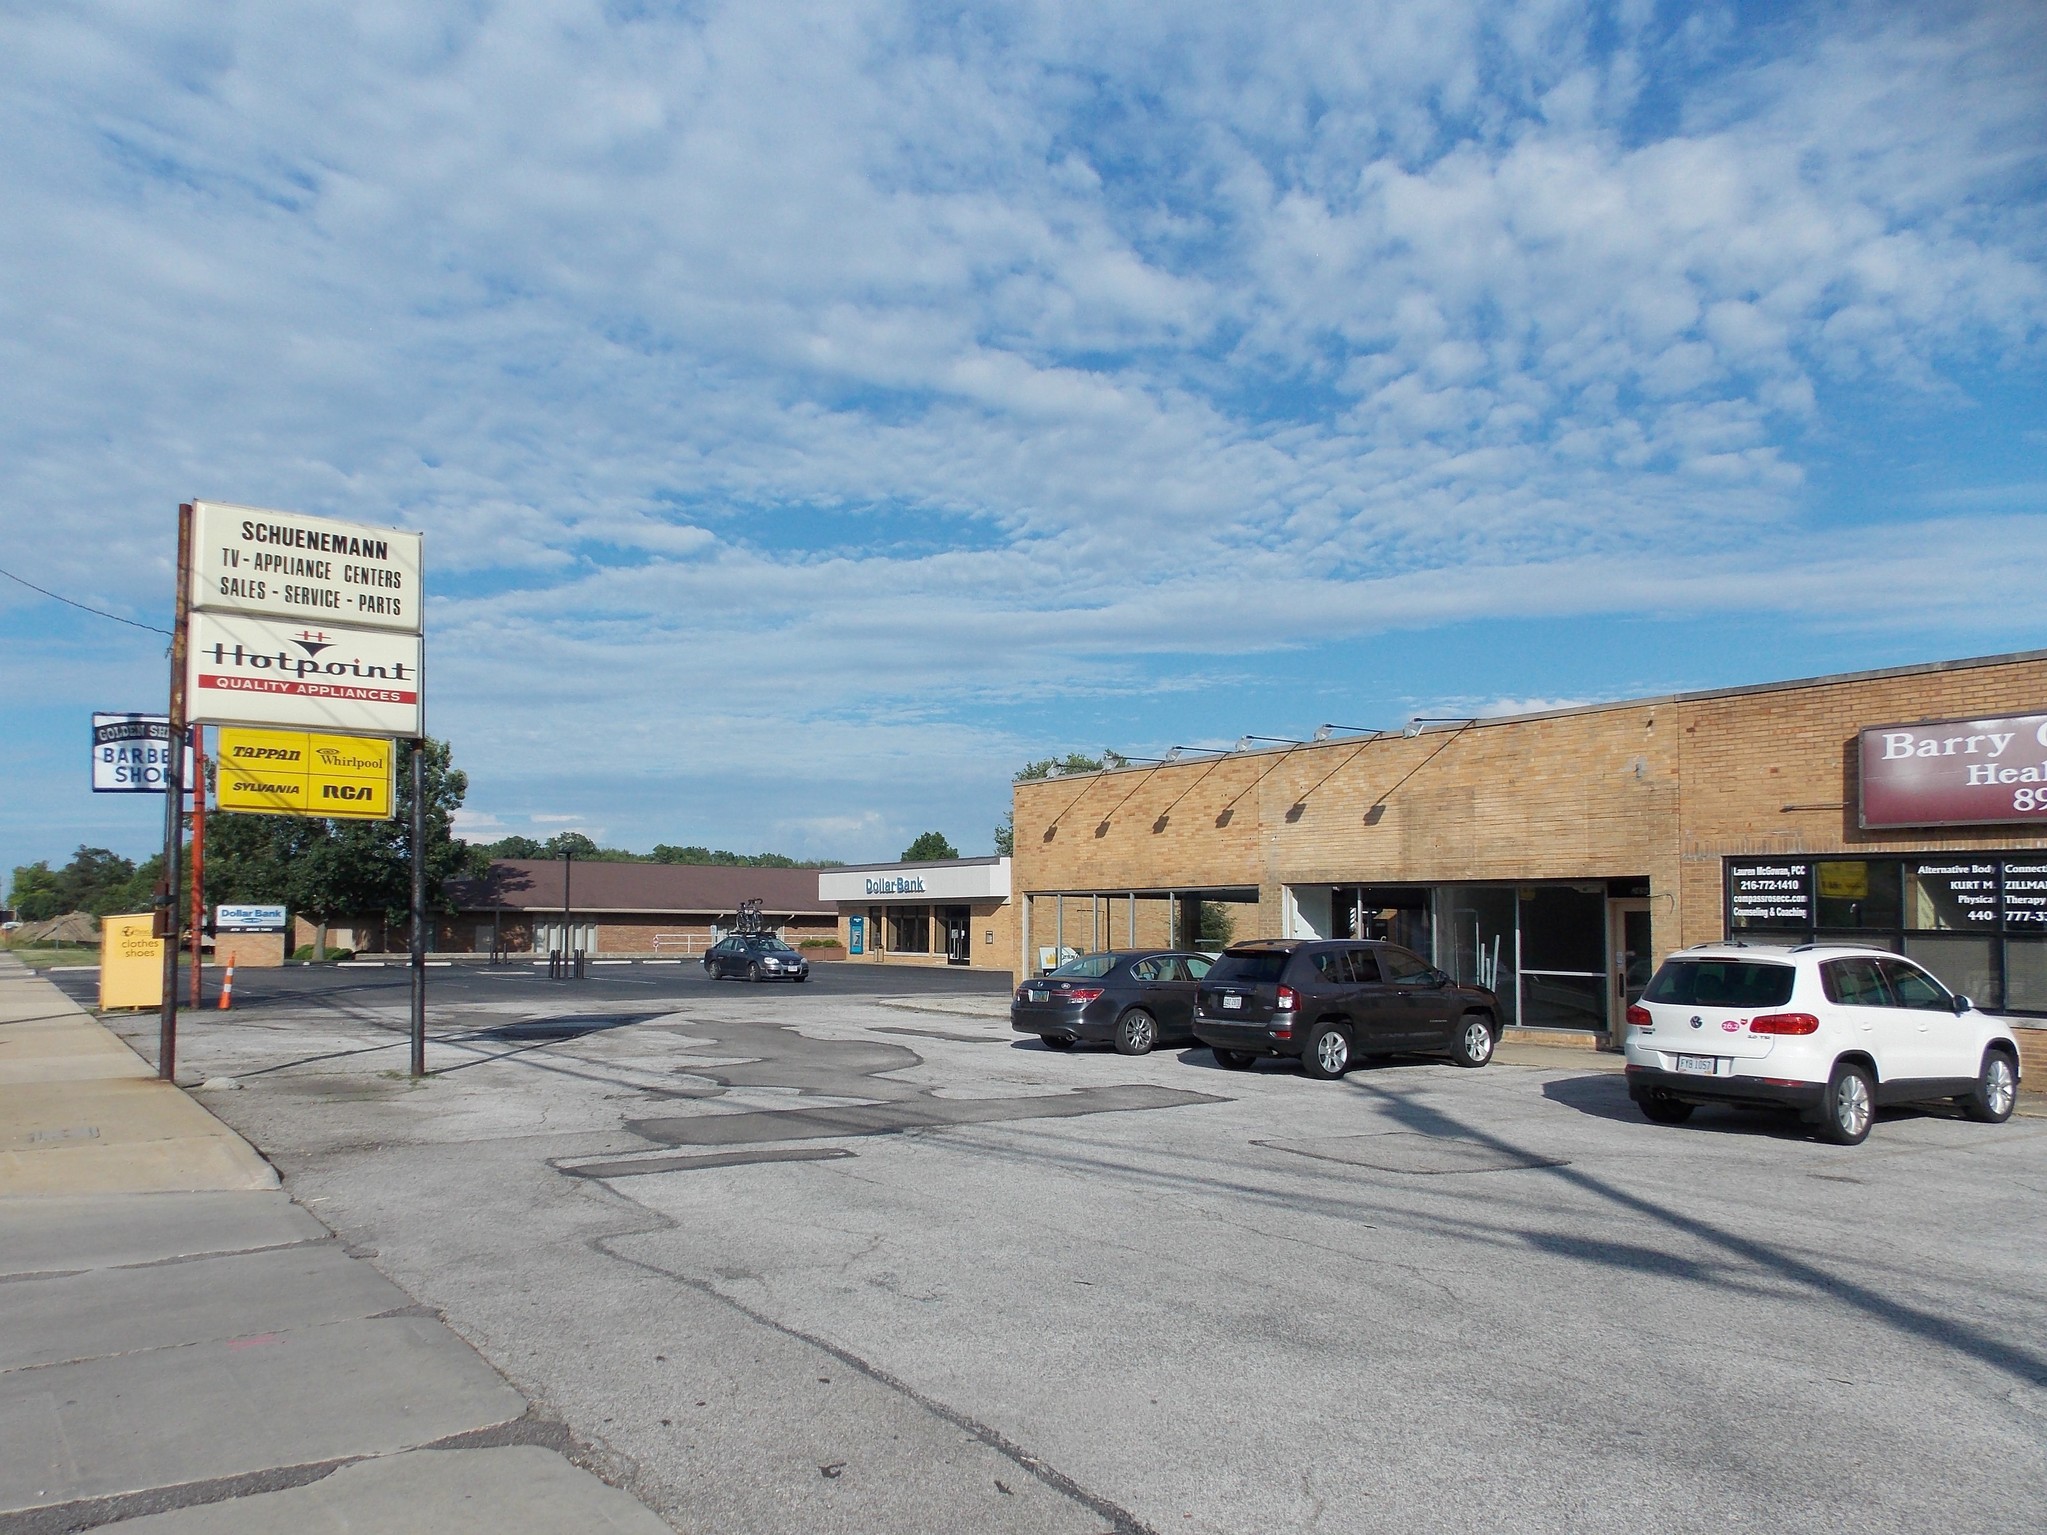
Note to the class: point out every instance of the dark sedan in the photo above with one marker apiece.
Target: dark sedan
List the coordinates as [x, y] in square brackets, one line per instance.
[757, 956]
[1134, 999]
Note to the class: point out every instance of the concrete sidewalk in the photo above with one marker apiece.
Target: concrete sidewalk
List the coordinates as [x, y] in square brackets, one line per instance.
[184, 1349]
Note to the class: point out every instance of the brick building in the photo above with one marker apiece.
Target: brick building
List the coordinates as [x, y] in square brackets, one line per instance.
[670, 909]
[1558, 856]
[953, 911]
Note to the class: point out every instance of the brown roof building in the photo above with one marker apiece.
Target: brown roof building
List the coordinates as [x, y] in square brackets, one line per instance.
[664, 909]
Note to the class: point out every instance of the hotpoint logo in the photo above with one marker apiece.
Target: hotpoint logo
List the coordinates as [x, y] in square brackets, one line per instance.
[898, 884]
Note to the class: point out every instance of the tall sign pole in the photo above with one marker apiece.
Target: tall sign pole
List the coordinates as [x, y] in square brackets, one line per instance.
[198, 857]
[419, 907]
[311, 630]
[174, 810]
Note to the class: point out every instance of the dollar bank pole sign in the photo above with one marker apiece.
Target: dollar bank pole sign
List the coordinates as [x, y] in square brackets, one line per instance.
[304, 622]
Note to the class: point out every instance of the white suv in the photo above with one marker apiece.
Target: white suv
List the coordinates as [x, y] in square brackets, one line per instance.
[1831, 1030]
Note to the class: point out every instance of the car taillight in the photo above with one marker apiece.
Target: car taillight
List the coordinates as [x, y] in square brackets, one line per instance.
[1638, 1018]
[1289, 999]
[1083, 993]
[1784, 1023]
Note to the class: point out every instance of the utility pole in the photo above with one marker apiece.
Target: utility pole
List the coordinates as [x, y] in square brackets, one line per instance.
[419, 907]
[199, 861]
[174, 811]
[568, 942]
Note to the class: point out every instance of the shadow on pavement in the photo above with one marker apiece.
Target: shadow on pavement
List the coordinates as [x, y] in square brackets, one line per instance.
[2013, 1359]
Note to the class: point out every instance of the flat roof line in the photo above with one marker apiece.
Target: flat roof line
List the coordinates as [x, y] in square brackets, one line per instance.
[1698, 695]
[924, 863]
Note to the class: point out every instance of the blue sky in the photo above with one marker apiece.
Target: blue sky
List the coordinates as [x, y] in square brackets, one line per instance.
[816, 410]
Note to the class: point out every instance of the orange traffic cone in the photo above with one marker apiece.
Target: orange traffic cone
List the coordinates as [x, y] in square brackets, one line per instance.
[227, 987]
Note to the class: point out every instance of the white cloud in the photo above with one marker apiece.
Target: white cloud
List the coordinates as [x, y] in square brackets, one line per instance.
[914, 368]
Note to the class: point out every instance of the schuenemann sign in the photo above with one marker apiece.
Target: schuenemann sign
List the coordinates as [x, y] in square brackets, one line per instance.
[1955, 772]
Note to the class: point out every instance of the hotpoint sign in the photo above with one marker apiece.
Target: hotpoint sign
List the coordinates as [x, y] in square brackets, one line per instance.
[1982, 772]
[256, 671]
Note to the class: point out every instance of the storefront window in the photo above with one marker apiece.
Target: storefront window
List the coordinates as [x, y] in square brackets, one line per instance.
[1563, 1001]
[1475, 940]
[1563, 957]
[1857, 893]
[909, 929]
[1967, 965]
[2025, 975]
[1563, 929]
[1976, 920]
[1953, 895]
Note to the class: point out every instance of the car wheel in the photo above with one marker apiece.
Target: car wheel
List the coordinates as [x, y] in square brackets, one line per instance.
[1327, 1056]
[753, 972]
[1849, 1107]
[1232, 1060]
[1665, 1111]
[1474, 1043]
[1997, 1090]
[1056, 1041]
[1136, 1032]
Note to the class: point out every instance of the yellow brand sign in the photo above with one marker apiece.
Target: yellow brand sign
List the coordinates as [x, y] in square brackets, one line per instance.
[131, 963]
[288, 772]
[1844, 881]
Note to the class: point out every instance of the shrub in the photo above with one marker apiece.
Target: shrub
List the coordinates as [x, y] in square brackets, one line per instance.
[306, 954]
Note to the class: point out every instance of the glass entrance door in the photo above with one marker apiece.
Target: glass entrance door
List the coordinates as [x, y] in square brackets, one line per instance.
[1630, 960]
[959, 935]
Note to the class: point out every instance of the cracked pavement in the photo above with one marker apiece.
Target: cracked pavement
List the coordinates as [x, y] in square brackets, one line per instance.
[1419, 1299]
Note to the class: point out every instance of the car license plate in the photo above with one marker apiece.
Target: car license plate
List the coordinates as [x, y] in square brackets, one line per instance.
[1698, 1065]
[1233, 1001]
[1035, 996]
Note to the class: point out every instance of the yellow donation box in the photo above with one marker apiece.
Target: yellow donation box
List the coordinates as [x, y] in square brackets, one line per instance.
[131, 963]
[288, 772]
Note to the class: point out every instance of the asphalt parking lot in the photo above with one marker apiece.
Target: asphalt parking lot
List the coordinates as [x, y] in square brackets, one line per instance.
[850, 1257]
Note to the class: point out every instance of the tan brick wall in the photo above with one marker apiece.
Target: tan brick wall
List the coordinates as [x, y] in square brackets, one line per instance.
[1662, 788]
[2032, 1059]
[250, 951]
[992, 929]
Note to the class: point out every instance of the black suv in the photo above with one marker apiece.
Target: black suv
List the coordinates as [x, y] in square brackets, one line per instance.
[1330, 1001]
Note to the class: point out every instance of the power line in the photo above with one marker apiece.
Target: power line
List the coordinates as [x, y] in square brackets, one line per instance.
[83, 608]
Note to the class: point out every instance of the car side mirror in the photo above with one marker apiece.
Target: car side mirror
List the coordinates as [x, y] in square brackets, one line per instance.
[1438, 978]
[1962, 1004]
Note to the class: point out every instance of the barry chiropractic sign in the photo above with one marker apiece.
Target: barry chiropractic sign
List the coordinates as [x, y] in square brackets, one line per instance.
[1955, 772]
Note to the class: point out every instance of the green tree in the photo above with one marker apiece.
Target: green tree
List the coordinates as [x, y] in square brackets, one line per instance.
[252, 859]
[96, 880]
[515, 847]
[34, 892]
[570, 844]
[1218, 925]
[929, 848]
[667, 852]
[364, 868]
